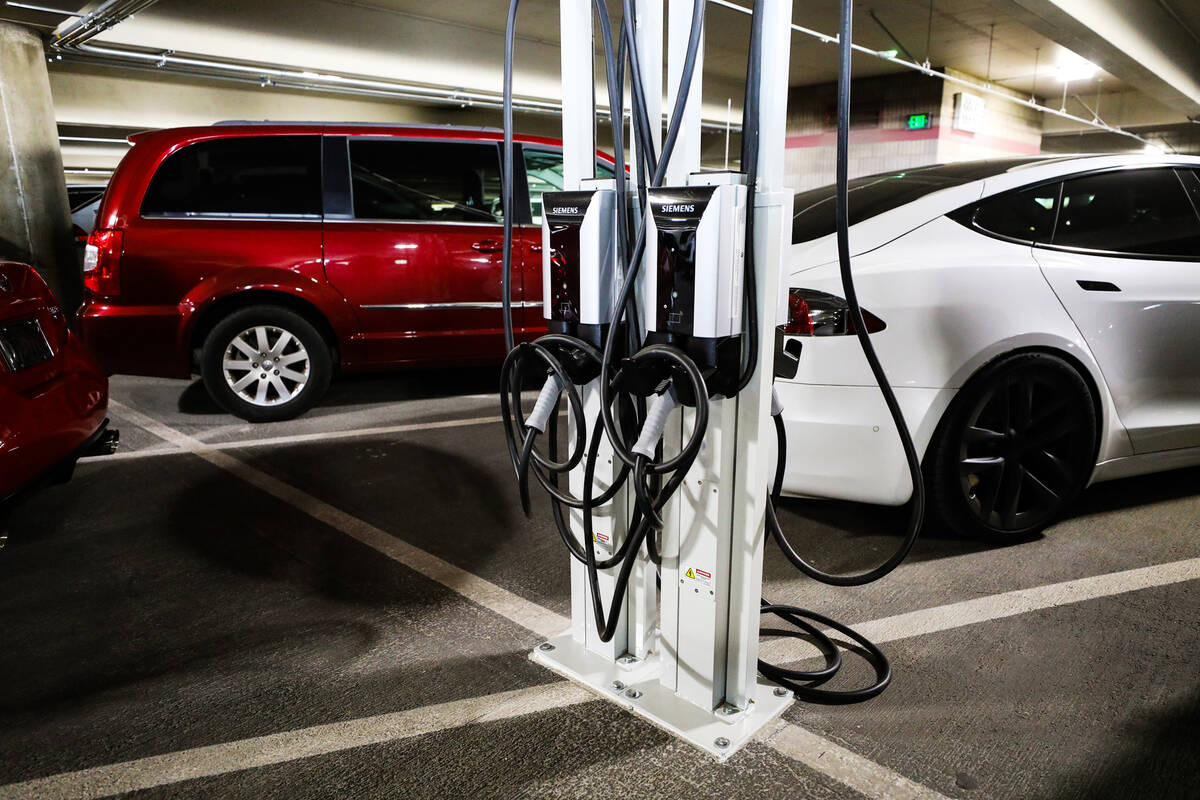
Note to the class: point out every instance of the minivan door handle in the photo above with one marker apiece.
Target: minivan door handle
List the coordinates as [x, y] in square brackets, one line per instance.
[488, 246]
[1098, 286]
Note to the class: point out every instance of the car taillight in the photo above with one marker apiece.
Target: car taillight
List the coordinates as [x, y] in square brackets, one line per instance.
[813, 313]
[102, 262]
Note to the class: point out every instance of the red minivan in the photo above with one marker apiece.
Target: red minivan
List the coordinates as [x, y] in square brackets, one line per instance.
[269, 256]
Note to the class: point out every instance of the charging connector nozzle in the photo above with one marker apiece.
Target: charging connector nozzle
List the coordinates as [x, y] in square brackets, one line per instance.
[546, 402]
[656, 423]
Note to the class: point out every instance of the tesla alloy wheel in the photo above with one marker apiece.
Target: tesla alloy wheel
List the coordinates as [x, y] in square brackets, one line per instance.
[1016, 448]
[265, 363]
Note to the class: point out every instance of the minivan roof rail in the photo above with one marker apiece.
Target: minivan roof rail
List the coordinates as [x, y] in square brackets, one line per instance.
[360, 124]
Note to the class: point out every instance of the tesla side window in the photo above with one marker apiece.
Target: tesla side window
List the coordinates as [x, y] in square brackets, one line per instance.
[416, 181]
[277, 176]
[1140, 212]
[544, 171]
[1191, 179]
[872, 195]
[1027, 215]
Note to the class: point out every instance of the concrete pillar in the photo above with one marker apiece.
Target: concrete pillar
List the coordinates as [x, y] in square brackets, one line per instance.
[35, 221]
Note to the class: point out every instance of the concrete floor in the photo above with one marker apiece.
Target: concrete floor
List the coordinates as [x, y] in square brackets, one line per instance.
[176, 608]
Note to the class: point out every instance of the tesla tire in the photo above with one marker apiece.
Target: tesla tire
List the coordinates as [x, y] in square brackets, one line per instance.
[1015, 449]
[265, 364]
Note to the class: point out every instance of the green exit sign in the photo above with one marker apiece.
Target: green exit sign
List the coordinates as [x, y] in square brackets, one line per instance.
[919, 122]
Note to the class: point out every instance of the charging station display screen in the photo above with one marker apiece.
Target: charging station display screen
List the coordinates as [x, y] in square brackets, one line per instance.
[564, 215]
[677, 216]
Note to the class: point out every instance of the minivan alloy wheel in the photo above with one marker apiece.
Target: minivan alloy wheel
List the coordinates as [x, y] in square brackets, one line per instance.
[266, 365]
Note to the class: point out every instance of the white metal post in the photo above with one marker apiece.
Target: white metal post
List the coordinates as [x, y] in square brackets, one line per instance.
[579, 158]
[648, 34]
[754, 471]
[579, 92]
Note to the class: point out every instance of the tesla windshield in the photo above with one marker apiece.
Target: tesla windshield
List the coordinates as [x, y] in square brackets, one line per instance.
[872, 195]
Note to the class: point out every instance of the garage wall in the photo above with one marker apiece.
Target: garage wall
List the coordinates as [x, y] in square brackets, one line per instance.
[1004, 129]
[880, 139]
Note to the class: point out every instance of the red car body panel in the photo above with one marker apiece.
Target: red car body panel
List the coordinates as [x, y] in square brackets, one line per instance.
[49, 411]
[371, 281]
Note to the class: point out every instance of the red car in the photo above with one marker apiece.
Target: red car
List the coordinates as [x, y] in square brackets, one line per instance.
[269, 256]
[53, 394]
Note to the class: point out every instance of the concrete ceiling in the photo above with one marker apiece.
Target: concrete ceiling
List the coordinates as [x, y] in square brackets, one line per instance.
[374, 37]
[459, 43]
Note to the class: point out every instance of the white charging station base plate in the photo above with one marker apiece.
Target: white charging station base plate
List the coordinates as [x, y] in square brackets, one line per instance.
[635, 687]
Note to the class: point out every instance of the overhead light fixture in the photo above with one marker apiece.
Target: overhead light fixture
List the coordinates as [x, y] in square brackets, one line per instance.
[1152, 149]
[889, 53]
[1073, 68]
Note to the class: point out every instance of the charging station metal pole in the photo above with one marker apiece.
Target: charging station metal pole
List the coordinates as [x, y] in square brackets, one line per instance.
[700, 681]
[634, 637]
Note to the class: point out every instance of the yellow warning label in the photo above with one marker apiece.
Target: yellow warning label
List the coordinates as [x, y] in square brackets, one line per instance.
[699, 576]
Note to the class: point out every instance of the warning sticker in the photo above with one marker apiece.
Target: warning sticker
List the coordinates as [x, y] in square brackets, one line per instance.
[699, 576]
[602, 539]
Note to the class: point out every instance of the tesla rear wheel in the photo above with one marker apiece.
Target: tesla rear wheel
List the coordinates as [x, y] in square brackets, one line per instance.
[1016, 448]
[265, 364]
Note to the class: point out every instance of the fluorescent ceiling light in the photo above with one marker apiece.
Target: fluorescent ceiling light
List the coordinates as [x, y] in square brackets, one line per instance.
[1074, 68]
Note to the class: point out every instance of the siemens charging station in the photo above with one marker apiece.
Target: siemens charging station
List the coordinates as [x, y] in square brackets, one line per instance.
[663, 289]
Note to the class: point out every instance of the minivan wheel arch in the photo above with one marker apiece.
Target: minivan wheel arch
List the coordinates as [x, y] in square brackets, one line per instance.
[223, 307]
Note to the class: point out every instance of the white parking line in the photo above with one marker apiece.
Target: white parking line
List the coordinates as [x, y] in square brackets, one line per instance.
[861, 774]
[262, 751]
[998, 606]
[525, 613]
[865, 776]
[274, 440]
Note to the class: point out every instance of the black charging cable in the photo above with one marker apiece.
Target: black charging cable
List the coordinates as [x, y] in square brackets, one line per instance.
[917, 507]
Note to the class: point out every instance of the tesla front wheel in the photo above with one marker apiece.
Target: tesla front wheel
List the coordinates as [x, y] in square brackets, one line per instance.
[1016, 448]
[265, 364]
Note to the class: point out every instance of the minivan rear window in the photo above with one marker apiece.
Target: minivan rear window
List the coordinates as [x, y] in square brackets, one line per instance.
[814, 210]
[273, 176]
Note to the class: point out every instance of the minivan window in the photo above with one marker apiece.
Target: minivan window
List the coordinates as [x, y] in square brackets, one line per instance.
[424, 181]
[1027, 215]
[1137, 211]
[239, 176]
[544, 173]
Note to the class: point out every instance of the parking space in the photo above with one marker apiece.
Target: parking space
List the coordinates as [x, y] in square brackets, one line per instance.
[304, 617]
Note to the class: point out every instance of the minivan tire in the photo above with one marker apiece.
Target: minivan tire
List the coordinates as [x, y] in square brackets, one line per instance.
[265, 364]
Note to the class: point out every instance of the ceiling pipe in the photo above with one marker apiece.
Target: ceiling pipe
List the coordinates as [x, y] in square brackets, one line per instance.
[99, 17]
[70, 42]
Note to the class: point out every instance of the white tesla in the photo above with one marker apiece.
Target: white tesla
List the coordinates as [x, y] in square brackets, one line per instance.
[1038, 318]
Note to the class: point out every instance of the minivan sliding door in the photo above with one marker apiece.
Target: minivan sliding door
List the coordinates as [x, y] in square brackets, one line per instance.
[420, 252]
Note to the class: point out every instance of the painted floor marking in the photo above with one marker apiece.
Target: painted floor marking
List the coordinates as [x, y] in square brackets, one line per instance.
[525, 613]
[863, 775]
[298, 438]
[998, 606]
[845, 766]
[277, 748]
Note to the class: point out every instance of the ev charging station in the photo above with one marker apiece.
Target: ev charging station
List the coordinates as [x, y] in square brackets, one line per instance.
[692, 666]
[667, 337]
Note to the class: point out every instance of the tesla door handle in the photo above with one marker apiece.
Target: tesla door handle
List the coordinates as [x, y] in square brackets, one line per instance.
[488, 246]
[1098, 286]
